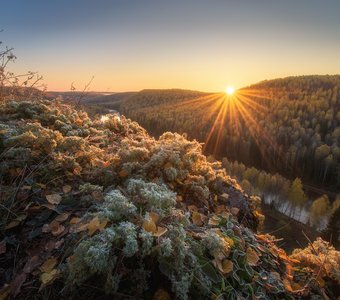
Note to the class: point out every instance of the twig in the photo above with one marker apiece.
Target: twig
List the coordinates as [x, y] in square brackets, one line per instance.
[83, 93]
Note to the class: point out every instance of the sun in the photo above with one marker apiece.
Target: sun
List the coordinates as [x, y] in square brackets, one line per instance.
[230, 90]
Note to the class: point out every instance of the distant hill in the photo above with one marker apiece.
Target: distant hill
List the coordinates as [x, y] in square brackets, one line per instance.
[18, 92]
[72, 96]
[112, 101]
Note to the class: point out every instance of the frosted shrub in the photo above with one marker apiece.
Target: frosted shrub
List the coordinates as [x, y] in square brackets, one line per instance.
[128, 233]
[156, 196]
[92, 256]
[165, 247]
[116, 206]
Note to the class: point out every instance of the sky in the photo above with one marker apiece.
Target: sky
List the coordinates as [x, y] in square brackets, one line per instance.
[191, 44]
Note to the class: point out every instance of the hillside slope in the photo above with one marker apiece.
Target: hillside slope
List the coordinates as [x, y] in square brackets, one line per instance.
[97, 207]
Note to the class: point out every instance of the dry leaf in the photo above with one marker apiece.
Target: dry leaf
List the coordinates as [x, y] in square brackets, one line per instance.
[46, 228]
[95, 225]
[225, 196]
[123, 173]
[58, 230]
[54, 227]
[63, 217]
[5, 291]
[154, 216]
[197, 218]
[149, 226]
[16, 221]
[12, 224]
[97, 195]
[49, 206]
[252, 257]
[220, 209]
[224, 266]
[214, 220]
[67, 188]
[179, 198]
[234, 211]
[79, 227]
[192, 208]
[229, 241]
[48, 265]
[33, 263]
[161, 295]
[227, 266]
[160, 231]
[53, 198]
[47, 278]
[74, 220]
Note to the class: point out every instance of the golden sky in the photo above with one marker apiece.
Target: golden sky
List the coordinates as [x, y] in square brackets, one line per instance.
[200, 45]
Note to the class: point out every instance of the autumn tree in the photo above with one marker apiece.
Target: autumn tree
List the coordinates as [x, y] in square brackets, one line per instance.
[296, 195]
[319, 210]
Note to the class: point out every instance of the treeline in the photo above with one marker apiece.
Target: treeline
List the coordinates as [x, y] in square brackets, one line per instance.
[289, 125]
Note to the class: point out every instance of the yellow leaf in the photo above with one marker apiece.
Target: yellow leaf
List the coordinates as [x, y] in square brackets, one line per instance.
[179, 198]
[229, 241]
[224, 266]
[192, 208]
[48, 265]
[53, 198]
[16, 221]
[154, 216]
[74, 220]
[160, 231]
[103, 224]
[197, 218]
[47, 278]
[214, 220]
[252, 257]
[227, 266]
[161, 295]
[149, 226]
[95, 225]
[67, 188]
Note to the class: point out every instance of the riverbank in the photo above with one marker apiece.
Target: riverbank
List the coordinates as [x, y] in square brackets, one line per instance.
[294, 234]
